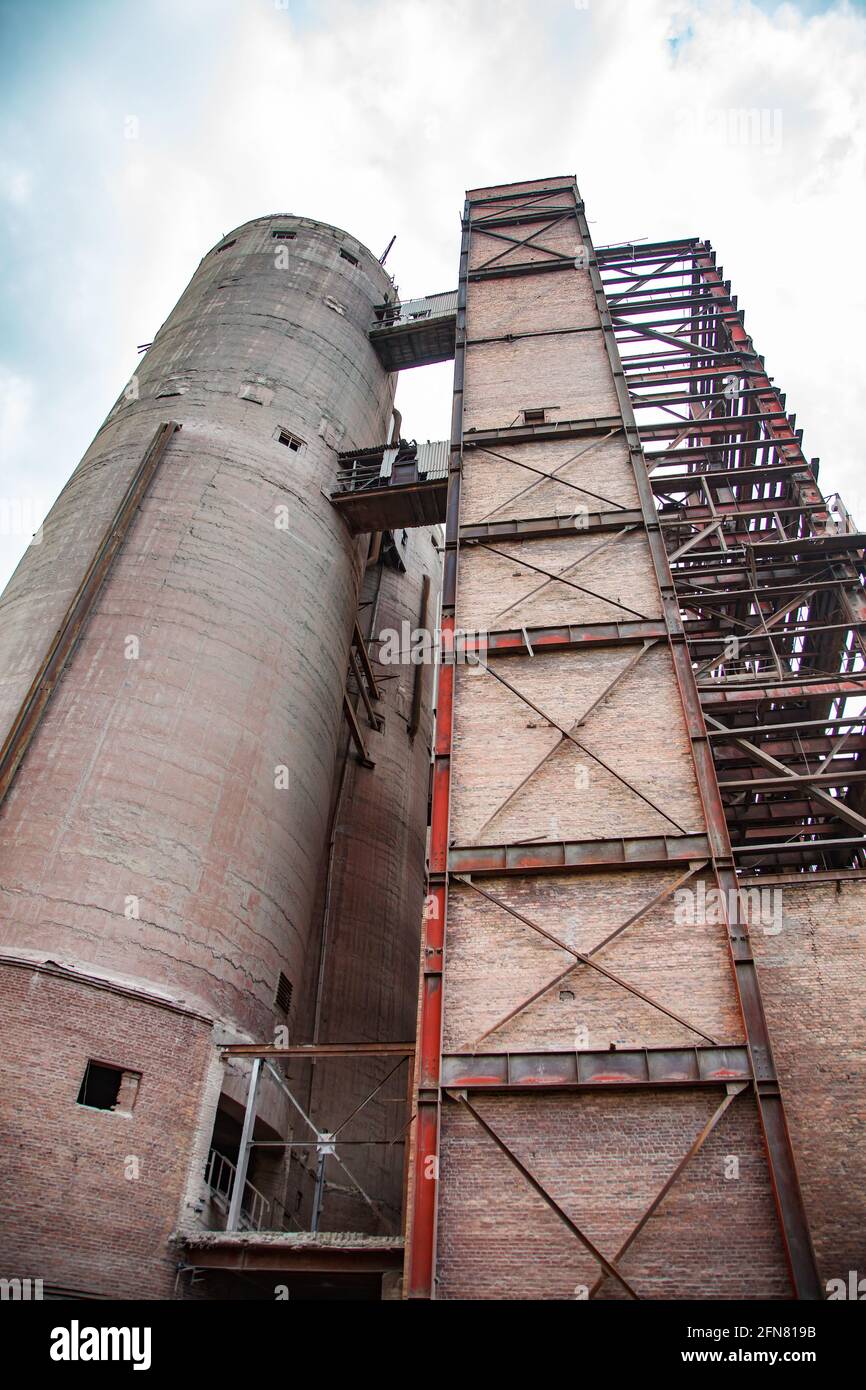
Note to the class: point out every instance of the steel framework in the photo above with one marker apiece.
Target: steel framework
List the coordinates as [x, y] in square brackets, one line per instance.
[441, 1080]
[768, 576]
[761, 582]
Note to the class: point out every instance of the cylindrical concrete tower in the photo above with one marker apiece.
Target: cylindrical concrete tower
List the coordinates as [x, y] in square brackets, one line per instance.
[162, 844]
[169, 818]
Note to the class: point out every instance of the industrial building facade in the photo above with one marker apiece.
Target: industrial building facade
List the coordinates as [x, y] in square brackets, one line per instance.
[632, 1063]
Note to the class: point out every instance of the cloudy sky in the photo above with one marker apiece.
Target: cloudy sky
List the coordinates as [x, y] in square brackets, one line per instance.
[136, 132]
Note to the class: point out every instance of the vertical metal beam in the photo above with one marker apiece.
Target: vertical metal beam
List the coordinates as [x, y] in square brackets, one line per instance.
[782, 1167]
[421, 1235]
[234, 1216]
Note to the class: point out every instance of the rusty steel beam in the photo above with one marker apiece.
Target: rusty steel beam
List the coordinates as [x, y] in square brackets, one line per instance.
[422, 1220]
[356, 733]
[74, 620]
[568, 856]
[627, 1067]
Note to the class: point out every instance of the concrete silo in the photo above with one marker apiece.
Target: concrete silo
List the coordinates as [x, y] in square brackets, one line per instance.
[162, 842]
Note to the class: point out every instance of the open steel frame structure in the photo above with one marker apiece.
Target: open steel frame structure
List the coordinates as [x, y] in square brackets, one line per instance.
[704, 530]
[769, 578]
[754, 637]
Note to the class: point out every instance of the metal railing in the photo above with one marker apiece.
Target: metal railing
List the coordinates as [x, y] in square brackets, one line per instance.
[220, 1177]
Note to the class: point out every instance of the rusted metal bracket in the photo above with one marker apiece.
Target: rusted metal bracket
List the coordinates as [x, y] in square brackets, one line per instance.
[75, 618]
[356, 733]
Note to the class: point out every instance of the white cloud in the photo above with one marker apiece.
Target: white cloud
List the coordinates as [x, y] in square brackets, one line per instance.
[377, 114]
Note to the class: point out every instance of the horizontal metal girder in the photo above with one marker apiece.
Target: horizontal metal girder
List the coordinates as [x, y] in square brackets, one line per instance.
[364, 1049]
[638, 852]
[630, 1067]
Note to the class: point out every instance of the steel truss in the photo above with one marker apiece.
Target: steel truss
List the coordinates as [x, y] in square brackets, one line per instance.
[769, 581]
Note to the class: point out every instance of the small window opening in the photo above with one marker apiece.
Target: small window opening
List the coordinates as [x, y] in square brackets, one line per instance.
[290, 440]
[283, 234]
[534, 417]
[347, 256]
[226, 244]
[108, 1088]
[283, 998]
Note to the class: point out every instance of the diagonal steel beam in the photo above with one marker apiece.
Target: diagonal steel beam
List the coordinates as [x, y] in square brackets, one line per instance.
[526, 241]
[554, 476]
[567, 734]
[693, 349]
[554, 578]
[609, 540]
[582, 958]
[761, 629]
[562, 975]
[833, 803]
[607, 1265]
[734, 1090]
[624, 671]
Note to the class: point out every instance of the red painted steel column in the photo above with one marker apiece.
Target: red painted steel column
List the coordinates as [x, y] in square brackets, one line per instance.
[421, 1251]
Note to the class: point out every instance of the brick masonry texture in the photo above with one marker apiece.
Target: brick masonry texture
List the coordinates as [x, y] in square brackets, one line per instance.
[505, 584]
[562, 300]
[812, 981]
[685, 967]
[638, 731]
[603, 1158]
[514, 778]
[535, 240]
[567, 374]
[505, 485]
[70, 1215]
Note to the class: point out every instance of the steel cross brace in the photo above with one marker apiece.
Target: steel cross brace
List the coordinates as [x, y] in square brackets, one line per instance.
[527, 241]
[552, 477]
[607, 1265]
[579, 723]
[585, 958]
[734, 1089]
[325, 1140]
[560, 574]
[554, 578]
[567, 733]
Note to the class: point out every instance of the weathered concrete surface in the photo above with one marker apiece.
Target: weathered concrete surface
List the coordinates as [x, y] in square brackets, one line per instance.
[150, 786]
[365, 973]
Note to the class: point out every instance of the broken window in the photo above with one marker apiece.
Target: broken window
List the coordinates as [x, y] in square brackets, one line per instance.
[534, 417]
[108, 1088]
[347, 256]
[283, 234]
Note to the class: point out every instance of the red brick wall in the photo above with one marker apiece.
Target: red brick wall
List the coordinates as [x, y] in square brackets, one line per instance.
[603, 1158]
[814, 989]
[70, 1215]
